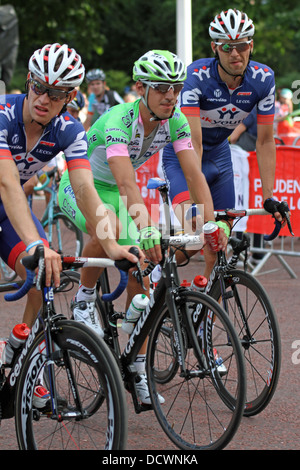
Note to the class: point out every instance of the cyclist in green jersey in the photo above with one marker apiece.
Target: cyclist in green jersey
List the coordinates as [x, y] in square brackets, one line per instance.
[121, 140]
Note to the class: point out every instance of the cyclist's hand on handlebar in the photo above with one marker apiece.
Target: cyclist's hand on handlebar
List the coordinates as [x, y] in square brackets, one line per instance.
[224, 233]
[117, 252]
[150, 243]
[53, 266]
[280, 210]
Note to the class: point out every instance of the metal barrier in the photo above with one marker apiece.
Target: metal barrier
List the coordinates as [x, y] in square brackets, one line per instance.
[280, 248]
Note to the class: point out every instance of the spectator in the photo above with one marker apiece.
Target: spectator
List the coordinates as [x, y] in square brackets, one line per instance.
[101, 98]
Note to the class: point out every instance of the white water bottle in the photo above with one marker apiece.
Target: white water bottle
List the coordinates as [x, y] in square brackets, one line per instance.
[137, 306]
[16, 339]
[199, 283]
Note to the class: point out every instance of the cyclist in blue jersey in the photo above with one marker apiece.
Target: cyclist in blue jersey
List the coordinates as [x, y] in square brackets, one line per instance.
[34, 127]
[218, 94]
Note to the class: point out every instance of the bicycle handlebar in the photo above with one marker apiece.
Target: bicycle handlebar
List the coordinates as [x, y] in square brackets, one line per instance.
[37, 261]
[235, 213]
[30, 263]
[160, 184]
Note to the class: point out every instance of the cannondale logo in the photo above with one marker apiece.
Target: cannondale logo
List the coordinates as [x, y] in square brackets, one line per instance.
[217, 93]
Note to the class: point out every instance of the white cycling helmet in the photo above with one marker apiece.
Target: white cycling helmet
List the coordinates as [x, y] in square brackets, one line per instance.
[231, 24]
[57, 65]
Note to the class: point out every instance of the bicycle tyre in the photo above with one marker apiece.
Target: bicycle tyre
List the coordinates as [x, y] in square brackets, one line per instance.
[261, 344]
[103, 424]
[67, 238]
[199, 410]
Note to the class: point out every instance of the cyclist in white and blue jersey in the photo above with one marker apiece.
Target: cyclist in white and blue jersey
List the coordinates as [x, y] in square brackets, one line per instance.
[218, 94]
[34, 127]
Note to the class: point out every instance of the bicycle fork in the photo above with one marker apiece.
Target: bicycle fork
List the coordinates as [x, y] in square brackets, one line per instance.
[54, 355]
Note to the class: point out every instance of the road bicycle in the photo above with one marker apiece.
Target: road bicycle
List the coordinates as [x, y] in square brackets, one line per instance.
[62, 234]
[86, 408]
[248, 306]
[203, 407]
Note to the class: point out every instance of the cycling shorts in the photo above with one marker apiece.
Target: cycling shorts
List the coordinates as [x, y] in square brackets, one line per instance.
[11, 246]
[217, 168]
[110, 196]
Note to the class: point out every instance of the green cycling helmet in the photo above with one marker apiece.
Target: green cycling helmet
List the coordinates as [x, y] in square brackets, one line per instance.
[159, 65]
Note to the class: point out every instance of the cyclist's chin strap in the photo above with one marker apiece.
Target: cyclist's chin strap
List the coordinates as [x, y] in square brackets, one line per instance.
[43, 126]
[232, 74]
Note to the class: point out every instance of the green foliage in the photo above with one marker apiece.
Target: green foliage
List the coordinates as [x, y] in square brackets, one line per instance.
[112, 34]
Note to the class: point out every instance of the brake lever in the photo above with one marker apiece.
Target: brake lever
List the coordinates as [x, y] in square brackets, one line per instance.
[284, 211]
[139, 275]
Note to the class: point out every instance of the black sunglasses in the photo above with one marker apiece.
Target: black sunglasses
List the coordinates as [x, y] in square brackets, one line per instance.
[54, 94]
[239, 46]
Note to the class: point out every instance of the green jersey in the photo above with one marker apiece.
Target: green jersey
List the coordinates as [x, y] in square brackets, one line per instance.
[120, 132]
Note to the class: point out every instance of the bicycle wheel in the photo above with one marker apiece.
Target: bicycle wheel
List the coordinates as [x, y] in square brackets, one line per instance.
[66, 238]
[203, 408]
[92, 411]
[253, 316]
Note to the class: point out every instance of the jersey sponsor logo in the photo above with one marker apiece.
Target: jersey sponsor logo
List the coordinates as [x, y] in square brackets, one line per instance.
[190, 96]
[8, 111]
[202, 73]
[115, 140]
[258, 72]
[64, 121]
[48, 144]
[268, 102]
[226, 116]
[127, 120]
[78, 147]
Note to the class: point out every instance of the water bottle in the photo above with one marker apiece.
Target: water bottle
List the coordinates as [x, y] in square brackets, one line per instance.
[16, 339]
[137, 306]
[185, 283]
[199, 283]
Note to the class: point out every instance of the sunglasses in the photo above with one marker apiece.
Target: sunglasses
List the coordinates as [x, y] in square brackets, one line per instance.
[239, 46]
[165, 87]
[54, 94]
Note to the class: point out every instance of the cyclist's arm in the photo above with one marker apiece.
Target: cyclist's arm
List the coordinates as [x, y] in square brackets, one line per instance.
[266, 158]
[96, 215]
[124, 174]
[19, 215]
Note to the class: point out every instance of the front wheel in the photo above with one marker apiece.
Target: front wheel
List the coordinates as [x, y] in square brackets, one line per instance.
[84, 381]
[205, 395]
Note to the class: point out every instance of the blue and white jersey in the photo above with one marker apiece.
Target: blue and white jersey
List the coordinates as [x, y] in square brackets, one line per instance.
[221, 109]
[63, 134]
